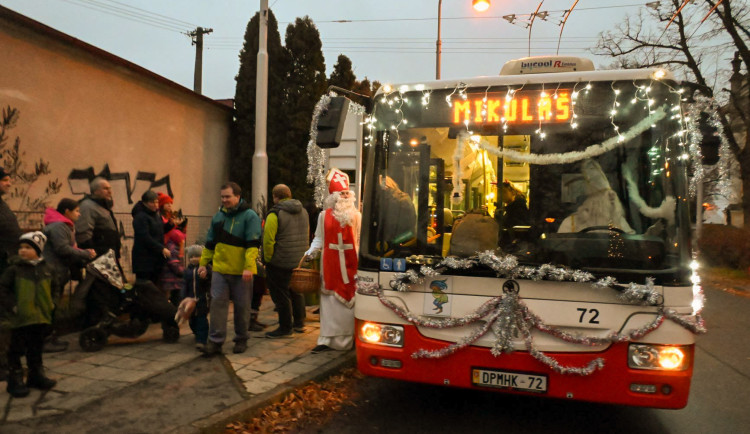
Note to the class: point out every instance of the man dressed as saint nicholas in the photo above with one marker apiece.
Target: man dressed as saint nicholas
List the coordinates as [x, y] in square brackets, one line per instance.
[337, 238]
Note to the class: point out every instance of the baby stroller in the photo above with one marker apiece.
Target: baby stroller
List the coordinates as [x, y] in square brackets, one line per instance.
[113, 308]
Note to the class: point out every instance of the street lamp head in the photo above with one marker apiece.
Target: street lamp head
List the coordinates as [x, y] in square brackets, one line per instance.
[480, 5]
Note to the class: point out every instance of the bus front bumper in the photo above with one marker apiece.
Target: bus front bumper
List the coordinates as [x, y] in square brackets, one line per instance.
[615, 383]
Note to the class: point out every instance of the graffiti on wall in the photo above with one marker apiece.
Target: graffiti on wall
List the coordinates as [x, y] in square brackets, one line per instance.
[125, 194]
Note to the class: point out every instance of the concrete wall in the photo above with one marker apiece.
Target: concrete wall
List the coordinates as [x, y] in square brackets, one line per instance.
[87, 112]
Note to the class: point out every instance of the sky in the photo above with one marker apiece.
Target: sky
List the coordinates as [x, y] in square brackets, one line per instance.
[390, 41]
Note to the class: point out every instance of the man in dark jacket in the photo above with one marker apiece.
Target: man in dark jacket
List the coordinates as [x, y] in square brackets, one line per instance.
[9, 229]
[149, 257]
[149, 251]
[97, 227]
[285, 238]
[9, 233]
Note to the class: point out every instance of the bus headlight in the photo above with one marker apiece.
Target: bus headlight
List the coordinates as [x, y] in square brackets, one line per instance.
[658, 357]
[382, 334]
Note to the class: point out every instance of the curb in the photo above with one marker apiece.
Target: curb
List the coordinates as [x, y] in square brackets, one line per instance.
[216, 423]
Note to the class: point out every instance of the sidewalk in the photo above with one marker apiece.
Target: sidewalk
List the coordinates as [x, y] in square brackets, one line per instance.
[186, 392]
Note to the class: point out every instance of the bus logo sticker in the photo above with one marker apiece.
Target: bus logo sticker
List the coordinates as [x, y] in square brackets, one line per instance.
[438, 297]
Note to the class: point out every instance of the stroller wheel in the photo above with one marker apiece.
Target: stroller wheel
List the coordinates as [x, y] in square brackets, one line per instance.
[141, 325]
[171, 335]
[92, 339]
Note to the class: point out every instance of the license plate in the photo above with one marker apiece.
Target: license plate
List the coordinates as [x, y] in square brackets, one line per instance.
[509, 380]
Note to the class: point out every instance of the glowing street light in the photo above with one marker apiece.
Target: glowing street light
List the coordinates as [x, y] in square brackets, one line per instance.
[479, 5]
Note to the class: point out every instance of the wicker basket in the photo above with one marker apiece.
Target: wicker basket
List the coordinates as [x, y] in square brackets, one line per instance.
[304, 280]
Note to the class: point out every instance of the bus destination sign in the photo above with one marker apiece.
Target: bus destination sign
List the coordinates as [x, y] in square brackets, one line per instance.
[522, 107]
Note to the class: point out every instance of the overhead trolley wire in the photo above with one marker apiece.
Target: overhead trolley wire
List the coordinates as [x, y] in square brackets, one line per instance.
[176, 20]
[171, 25]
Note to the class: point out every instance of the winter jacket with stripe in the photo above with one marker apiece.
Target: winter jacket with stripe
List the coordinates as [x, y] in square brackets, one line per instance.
[233, 240]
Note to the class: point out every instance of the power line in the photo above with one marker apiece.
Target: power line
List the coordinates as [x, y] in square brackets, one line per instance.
[176, 20]
[465, 40]
[135, 14]
[428, 51]
[479, 17]
[128, 15]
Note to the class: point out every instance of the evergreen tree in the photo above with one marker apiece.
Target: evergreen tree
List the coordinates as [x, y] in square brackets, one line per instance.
[365, 87]
[306, 83]
[342, 75]
[242, 144]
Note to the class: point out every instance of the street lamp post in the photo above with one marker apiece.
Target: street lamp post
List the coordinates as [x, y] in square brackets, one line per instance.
[438, 44]
[478, 5]
[260, 157]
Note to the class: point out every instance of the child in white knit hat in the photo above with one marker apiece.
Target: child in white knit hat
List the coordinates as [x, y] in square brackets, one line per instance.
[26, 303]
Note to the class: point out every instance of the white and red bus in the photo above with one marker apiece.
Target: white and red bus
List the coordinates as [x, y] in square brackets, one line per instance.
[529, 233]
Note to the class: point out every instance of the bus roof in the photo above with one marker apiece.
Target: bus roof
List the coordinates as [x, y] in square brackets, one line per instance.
[523, 79]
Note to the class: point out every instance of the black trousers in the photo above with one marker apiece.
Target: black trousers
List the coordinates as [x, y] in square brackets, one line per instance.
[27, 341]
[290, 305]
[151, 302]
[259, 290]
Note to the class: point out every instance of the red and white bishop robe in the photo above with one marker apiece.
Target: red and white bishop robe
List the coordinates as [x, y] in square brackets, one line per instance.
[339, 259]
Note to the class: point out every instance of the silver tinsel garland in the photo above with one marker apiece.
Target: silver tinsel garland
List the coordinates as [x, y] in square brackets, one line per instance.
[709, 106]
[694, 147]
[317, 158]
[507, 316]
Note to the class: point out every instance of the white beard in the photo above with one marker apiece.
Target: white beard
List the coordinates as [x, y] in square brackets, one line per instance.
[343, 209]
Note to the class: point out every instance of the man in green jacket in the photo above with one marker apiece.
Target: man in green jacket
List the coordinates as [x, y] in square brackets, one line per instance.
[232, 246]
[285, 238]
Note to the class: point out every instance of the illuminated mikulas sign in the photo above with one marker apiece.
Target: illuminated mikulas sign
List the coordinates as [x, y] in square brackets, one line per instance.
[520, 107]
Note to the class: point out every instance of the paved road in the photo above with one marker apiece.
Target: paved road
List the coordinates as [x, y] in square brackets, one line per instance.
[147, 386]
[718, 402]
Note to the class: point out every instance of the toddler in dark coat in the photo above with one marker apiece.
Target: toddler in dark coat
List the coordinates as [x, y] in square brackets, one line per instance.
[200, 289]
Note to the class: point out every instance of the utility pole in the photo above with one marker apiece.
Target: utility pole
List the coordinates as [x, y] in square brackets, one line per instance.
[260, 158]
[197, 36]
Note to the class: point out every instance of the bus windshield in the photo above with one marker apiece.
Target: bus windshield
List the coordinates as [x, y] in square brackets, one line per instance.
[589, 176]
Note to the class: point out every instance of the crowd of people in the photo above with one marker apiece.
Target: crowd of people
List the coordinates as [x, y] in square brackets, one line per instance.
[243, 254]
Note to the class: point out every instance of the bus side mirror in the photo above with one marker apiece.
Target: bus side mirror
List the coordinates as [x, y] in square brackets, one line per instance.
[331, 123]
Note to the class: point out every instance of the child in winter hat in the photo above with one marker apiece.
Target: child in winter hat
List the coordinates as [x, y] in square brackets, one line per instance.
[35, 240]
[26, 296]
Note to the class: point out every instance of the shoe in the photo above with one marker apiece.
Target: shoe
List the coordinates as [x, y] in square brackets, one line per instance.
[211, 349]
[255, 326]
[53, 344]
[239, 347]
[38, 380]
[16, 387]
[300, 329]
[171, 334]
[200, 347]
[279, 333]
[321, 349]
